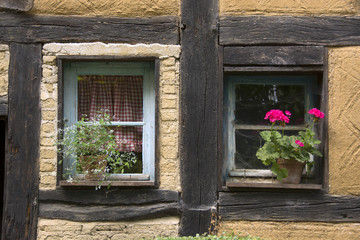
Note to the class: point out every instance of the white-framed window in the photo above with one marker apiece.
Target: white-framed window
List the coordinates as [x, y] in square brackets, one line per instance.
[247, 98]
[126, 90]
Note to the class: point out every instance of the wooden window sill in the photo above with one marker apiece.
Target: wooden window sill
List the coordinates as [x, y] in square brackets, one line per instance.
[273, 185]
[88, 183]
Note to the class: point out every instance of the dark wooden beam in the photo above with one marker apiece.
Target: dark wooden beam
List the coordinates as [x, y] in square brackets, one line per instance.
[22, 152]
[274, 56]
[285, 30]
[33, 29]
[199, 118]
[97, 213]
[17, 5]
[297, 206]
[109, 197]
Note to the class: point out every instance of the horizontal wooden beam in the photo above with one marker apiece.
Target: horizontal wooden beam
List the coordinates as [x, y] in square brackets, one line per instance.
[274, 55]
[15, 27]
[294, 206]
[263, 69]
[84, 213]
[286, 30]
[109, 197]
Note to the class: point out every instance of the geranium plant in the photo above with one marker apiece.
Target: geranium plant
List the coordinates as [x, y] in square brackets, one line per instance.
[278, 145]
[92, 143]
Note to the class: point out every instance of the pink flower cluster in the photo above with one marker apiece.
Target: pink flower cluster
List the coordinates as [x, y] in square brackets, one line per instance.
[316, 112]
[298, 142]
[277, 115]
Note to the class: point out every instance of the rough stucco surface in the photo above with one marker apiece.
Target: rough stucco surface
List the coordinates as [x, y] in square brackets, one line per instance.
[289, 7]
[118, 8]
[168, 104]
[344, 123]
[148, 229]
[4, 68]
[293, 231]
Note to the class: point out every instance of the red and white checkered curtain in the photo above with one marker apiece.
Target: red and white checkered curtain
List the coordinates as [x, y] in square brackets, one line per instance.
[121, 97]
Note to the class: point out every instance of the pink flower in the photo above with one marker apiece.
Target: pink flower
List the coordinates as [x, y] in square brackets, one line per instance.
[316, 112]
[288, 113]
[276, 115]
[299, 143]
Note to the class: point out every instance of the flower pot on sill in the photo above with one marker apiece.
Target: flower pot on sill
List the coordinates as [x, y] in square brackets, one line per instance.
[294, 168]
[95, 166]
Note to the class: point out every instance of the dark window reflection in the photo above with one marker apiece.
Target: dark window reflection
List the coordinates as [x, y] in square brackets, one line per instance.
[253, 101]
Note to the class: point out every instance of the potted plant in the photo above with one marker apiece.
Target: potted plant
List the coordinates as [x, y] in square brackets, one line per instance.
[288, 154]
[92, 145]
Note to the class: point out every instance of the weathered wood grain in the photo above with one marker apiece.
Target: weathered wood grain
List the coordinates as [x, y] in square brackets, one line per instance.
[286, 30]
[288, 206]
[274, 55]
[26, 28]
[109, 197]
[3, 109]
[18, 5]
[199, 113]
[21, 165]
[262, 69]
[106, 213]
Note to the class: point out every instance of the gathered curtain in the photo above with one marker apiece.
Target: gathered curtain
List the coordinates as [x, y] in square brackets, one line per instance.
[121, 97]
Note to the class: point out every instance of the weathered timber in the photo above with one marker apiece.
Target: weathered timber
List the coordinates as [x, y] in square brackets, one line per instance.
[324, 127]
[288, 206]
[199, 118]
[286, 30]
[273, 185]
[22, 153]
[86, 183]
[109, 197]
[274, 55]
[106, 213]
[31, 28]
[263, 69]
[3, 109]
[17, 5]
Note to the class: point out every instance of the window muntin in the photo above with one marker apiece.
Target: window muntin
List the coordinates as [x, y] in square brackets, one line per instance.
[247, 98]
[134, 120]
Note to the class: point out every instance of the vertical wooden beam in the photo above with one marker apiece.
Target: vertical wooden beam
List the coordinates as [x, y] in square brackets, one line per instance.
[22, 153]
[199, 113]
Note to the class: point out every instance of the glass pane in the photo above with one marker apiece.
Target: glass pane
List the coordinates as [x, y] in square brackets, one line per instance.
[120, 96]
[247, 143]
[129, 140]
[254, 101]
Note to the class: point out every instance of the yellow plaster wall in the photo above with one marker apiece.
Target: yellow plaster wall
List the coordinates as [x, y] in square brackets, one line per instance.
[147, 229]
[289, 7]
[294, 231]
[344, 121]
[115, 8]
[4, 69]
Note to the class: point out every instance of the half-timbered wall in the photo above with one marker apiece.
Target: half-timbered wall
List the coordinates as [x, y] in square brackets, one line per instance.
[194, 44]
[295, 213]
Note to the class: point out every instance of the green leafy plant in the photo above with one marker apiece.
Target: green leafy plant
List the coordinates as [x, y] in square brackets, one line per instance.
[278, 145]
[92, 142]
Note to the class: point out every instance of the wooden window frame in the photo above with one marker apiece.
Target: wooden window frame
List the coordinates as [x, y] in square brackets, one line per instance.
[264, 60]
[117, 66]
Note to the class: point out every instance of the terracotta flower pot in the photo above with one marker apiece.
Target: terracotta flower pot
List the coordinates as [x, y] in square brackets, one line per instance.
[95, 166]
[294, 168]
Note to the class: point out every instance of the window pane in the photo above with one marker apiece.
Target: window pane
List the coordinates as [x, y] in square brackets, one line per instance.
[254, 101]
[120, 96]
[247, 143]
[128, 138]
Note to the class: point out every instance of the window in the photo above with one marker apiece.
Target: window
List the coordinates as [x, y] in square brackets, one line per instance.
[247, 98]
[126, 90]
